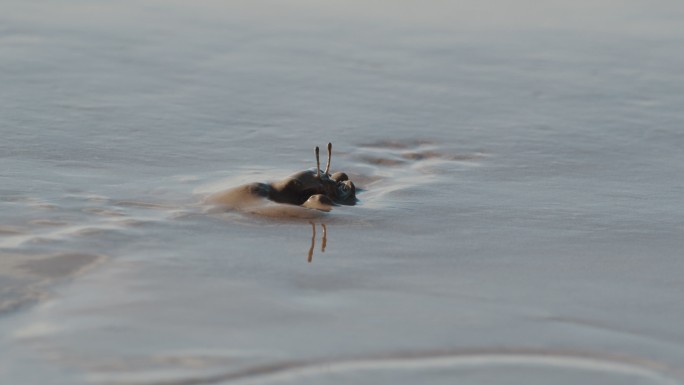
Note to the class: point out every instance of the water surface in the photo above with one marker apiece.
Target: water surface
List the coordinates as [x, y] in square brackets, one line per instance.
[521, 215]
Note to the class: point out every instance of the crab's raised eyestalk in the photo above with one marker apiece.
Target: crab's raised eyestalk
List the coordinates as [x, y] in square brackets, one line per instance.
[318, 163]
[327, 166]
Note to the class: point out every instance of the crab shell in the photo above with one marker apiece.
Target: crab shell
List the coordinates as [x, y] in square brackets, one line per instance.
[314, 188]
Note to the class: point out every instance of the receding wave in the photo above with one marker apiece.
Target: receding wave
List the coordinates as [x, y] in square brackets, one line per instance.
[501, 366]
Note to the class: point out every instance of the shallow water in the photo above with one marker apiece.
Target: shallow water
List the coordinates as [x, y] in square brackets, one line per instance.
[521, 216]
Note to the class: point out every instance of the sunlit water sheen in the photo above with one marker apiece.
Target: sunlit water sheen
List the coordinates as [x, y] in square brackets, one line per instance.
[520, 219]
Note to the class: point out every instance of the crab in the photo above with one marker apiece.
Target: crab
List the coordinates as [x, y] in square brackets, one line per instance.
[314, 188]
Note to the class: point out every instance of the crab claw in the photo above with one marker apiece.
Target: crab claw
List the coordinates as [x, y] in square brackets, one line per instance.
[339, 177]
[319, 202]
[346, 191]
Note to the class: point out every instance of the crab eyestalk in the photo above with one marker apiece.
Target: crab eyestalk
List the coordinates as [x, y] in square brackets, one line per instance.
[318, 163]
[327, 166]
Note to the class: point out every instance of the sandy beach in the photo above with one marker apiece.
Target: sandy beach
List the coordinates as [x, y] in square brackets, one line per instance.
[518, 169]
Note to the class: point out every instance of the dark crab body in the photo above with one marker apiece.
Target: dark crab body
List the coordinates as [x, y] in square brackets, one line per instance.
[315, 189]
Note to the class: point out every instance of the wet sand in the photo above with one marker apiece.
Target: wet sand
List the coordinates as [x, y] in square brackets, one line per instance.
[27, 278]
[519, 171]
